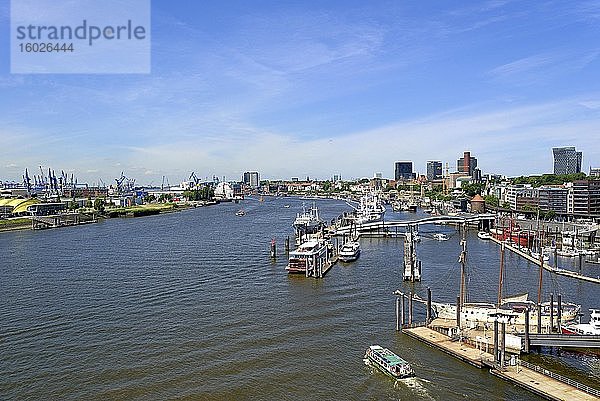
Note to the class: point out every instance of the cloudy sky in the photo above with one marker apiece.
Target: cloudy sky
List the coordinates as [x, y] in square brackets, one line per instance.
[317, 89]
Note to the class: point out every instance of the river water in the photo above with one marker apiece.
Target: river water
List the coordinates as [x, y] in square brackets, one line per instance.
[189, 306]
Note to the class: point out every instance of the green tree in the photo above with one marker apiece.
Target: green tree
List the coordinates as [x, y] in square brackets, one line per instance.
[73, 205]
[88, 203]
[99, 204]
[472, 189]
[491, 200]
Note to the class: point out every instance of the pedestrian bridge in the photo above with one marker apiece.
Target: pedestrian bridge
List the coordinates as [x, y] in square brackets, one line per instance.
[563, 340]
[390, 227]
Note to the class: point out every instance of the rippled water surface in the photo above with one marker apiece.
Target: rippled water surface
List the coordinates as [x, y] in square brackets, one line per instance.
[189, 306]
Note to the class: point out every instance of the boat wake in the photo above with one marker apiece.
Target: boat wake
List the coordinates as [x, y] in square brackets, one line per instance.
[416, 385]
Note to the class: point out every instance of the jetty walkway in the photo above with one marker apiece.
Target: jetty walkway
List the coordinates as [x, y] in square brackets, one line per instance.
[531, 377]
[552, 269]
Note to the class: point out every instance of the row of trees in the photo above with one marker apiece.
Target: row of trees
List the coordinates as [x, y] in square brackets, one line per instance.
[204, 193]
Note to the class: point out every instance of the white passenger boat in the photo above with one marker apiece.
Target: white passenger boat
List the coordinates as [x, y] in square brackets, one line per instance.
[440, 237]
[591, 328]
[567, 252]
[312, 258]
[536, 256]
[388, 362]
[484, 235]
[349, 252]
[370, 209]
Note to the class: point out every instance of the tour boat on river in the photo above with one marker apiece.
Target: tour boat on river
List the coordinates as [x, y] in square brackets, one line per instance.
[388, 362]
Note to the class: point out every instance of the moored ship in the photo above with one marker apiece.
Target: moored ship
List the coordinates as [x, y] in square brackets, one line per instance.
[591, 328]
[388, 362]
[349, 252]
[370, 209]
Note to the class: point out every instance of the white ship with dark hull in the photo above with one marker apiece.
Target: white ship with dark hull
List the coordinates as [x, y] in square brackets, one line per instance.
[370, 209]
[512, 309]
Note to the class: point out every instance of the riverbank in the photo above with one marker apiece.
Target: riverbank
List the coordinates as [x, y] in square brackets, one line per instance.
[15, 224]
[24, 223]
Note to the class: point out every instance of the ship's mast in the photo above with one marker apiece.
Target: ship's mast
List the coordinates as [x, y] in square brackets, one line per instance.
[501, 279]
[463, 262]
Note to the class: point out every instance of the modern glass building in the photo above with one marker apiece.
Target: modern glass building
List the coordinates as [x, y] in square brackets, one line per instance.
[403, 171]
[434, 170]
[567, 160]
[251, 178]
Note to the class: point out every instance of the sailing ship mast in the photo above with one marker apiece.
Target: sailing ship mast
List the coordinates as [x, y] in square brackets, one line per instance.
[463, 261]
[501, 279]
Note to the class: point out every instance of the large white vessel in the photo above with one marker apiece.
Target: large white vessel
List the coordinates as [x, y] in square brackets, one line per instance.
[308, 224]
[312, 258]
[513, 309]
[591, 328]
[370, 208]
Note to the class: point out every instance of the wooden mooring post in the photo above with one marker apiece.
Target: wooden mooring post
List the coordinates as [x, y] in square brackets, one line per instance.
[273, 249]
[551, 313]
[410, 308]
[398, 323]
[428, 318]
[526, 345]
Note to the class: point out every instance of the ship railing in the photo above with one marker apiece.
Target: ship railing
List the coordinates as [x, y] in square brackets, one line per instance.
[561, 378]
[414, 325]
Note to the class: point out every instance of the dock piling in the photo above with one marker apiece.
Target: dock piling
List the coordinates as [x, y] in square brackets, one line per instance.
[273, 249]
[398, 325]
[539, 318]
[428, 318]
[287, 244]
[402, 317]
[559, 313]
[496, 351]
[551, 312]
[503, 349]
[410, 308]
[526, 346]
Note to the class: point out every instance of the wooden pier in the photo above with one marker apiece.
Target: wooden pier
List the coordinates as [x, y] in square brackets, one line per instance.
[61, 220]
[555, 270]
[531, 377]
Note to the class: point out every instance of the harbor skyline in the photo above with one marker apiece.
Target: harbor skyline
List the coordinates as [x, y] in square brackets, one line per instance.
[309, 90]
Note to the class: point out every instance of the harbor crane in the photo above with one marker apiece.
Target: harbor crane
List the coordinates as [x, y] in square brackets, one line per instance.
[125, 184]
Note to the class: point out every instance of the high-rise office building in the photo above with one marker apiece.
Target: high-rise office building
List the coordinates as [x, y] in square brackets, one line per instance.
[567, 160]
[403, 171]
[434, 170]
[466, 164]
[251, 178]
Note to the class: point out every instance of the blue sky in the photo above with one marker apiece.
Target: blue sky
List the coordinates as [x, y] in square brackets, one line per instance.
[317, 89]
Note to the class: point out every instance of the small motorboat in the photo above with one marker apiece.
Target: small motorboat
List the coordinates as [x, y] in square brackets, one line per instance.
[350, 252]
[240, 212]
[440, 237]
[484, 235]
